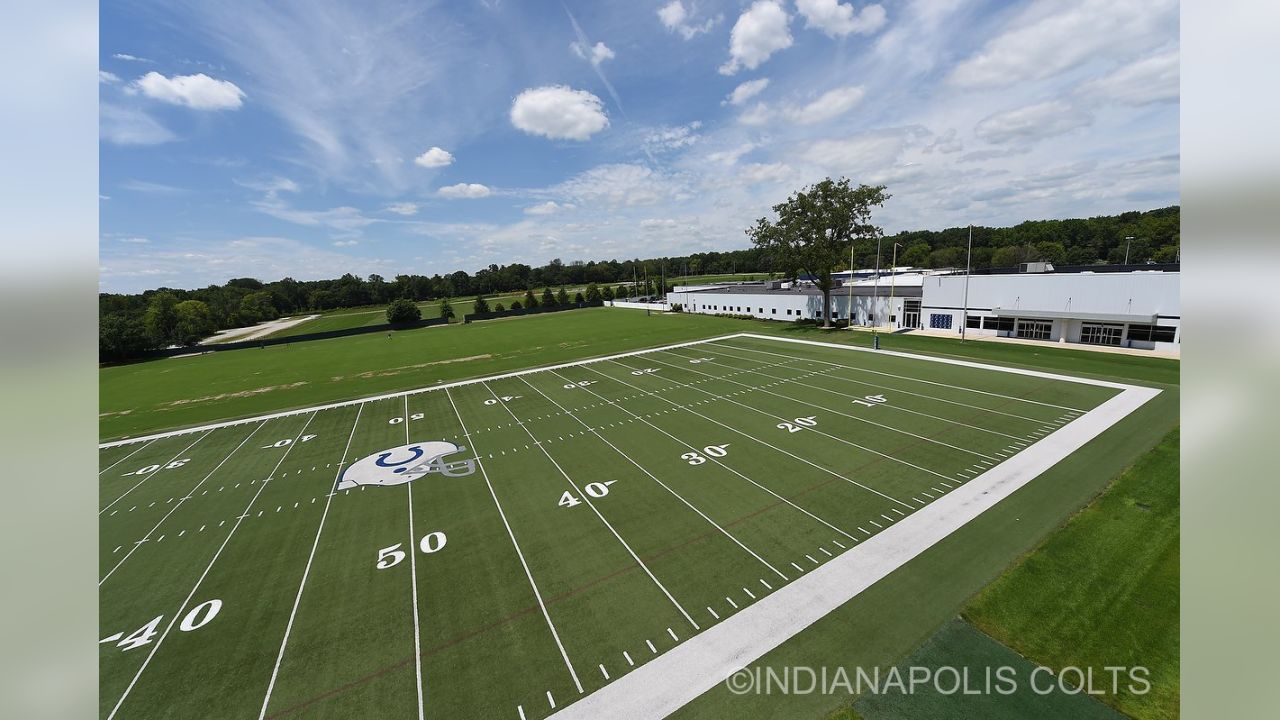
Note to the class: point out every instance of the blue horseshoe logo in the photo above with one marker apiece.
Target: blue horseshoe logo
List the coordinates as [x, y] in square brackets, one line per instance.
[381, 461]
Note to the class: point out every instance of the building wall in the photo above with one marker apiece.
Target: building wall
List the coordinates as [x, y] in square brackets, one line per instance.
[785, 306]
[1137, 293]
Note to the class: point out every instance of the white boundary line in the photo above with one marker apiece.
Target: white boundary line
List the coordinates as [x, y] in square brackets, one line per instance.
[413, 574]
[288, 628]
[701, 663]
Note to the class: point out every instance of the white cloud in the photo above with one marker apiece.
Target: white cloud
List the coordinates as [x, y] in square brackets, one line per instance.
[746, 91]
[403, 208]
[270, 186]
[434, 158]
[198, 91]
[621, 185]
[764, 172]
[549, 207]
[945, 144]
[465, 191]
[344, 219]
[838, 19]
[1149, 80]
[345, 243]
[830, 104]
[1050, 37]
[126, 126]
[863, 153]
[108, 78]
[758, 114]
[759, 33]
[134, 240]
[672, 138]
[730, 156]
[677, 19]
[595, 54]
[559, 113]
[1032, 123]
[130, 58]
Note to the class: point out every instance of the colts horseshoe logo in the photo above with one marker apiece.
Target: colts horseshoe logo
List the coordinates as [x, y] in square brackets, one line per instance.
[399, 465]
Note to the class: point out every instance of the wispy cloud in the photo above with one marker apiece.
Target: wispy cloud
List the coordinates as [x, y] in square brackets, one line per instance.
[595, 54]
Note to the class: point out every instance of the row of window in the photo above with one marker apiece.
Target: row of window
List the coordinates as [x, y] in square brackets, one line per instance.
[759, 311]
[1091, 333]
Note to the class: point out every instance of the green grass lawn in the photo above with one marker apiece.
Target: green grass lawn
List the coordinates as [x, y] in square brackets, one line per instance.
[1104, 589]
[364, 317]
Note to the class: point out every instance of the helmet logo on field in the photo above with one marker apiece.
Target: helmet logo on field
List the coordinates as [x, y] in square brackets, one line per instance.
[399, 465]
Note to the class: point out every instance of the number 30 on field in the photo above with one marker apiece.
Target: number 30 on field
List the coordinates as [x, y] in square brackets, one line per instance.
[715, 451]
[430, 543]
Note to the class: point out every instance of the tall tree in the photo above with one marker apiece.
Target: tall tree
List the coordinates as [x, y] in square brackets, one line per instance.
[446, 309]
[403, 310]
[529, 300]
[815, 228]
[548, 299]
[161, 319]
[193, 322]
[593, 293]
[562, 297]
[482, 305]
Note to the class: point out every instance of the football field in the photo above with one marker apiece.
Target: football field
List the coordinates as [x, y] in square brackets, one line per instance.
[509, 546]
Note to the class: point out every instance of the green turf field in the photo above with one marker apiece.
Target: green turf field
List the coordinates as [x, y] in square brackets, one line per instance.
[611, 511]
[364, 317]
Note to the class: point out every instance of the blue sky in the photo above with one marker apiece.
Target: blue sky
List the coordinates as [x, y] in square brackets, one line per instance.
[309, 139]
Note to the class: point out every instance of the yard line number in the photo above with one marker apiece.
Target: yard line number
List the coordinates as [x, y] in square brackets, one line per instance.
[196, 618]
[579, 384]
[715, 451]
[432, 542]
[288, 441]
[698, 360]
[504, 398]
[148, 469]
[871, 400]
[798, 424]
[594, 489]
[398, 420]
[644, 371]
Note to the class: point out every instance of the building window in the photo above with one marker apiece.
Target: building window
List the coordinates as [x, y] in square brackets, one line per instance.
[760, 311]
[1003, 324]
[1153, 333]
[773, 311]
[940, 321]
[1033, 330]
[973, 322]
[1096, 334]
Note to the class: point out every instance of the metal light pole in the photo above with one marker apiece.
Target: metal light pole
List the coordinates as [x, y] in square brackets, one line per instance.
[849, 309]
[968, 268]
[1127, 241]
[875, 293]
[893, 281]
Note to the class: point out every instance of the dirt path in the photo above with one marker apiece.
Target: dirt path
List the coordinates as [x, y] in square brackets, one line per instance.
[254, 332]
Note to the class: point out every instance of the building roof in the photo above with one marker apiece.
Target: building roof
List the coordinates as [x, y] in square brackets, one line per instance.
[859, 289]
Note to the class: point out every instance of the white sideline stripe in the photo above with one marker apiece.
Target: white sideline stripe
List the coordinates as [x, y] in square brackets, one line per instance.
[694, 667]
[899, 408]
[194, 588]
[164, 466]
[586, 499]
[830, 410]
[413, 575]
[878, 386]
[288, 628]
[126, 457]
[645, 470]
[416, 391]
[715, 460]
[178, 504]
[536, 592]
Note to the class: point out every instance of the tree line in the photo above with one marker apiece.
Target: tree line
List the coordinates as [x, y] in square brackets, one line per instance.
[130, 324]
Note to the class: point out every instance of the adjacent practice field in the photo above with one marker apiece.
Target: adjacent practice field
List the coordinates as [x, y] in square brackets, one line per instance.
[506, 547]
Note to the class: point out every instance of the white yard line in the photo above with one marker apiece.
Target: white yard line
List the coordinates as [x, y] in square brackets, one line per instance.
[698, 665]
[587, 499]
[157, 471]
[651, 476]
[181, 609]
[712, 459]
[306, 571]
[877, 386]
[820, 407]
[177, 505]
[536, 592]
[897, 408]
[413, 573]
[126, 457]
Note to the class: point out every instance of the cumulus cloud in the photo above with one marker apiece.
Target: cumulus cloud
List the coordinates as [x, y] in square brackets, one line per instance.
[746, 91]
[108, 78]
[677, 19]
[1032, 122]
[466, 191]
[838, 19]
[549, 207]
[1149, 80]
[1050, 37]
[559, 113]
[759, 33]
[830, 104]
[434, 158]
[198, 91]
[595, 54]
[403, 208]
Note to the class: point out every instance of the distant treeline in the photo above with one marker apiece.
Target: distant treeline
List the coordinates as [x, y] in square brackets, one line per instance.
[131, 324]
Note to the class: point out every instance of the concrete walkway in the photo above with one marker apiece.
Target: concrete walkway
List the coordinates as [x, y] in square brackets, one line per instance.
[253, 332]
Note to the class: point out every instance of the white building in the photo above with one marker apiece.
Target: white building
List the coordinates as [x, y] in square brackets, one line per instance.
[1138, 309]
